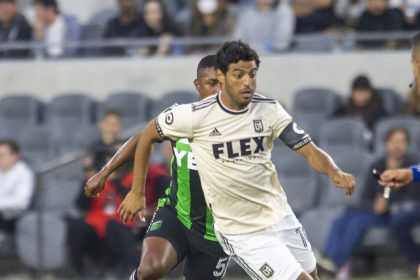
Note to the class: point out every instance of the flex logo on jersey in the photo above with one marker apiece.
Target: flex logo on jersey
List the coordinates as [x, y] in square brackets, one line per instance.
[243, 147]
[267, 271]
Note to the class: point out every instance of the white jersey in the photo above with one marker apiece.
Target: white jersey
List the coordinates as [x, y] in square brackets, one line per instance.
[232, 150]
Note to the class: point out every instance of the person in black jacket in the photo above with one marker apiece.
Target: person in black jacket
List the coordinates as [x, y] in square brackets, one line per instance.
[13, 28]
[400, 213]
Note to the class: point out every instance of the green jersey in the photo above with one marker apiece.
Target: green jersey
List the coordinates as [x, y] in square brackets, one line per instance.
[185, 194]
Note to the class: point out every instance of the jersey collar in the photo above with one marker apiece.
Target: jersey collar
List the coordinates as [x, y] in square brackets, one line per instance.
[227, 110]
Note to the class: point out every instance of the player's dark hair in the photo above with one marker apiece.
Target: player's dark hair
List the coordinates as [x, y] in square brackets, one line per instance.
[112, 113]
[13, 146]
[48, 4]
[233, 52]
[209, 61]
[394, 130]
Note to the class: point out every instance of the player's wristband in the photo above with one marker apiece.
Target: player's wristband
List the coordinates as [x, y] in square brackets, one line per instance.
[416, 173]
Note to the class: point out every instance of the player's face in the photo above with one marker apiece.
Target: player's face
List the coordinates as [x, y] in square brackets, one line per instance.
[397, 145]
[239, 83]
[207, 83]
[415, 63]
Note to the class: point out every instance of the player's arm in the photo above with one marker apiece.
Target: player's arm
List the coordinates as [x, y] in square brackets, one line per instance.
[323, 163]
[174, 123]
[135, 201]
[125, 154]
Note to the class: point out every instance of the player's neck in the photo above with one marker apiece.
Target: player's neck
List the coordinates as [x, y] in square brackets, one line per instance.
[228, 103]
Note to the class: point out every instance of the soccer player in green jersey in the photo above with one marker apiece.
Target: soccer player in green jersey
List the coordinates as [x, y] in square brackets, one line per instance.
[182, 227]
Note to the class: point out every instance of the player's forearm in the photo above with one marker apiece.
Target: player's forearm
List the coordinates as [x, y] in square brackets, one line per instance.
[124, 155]
[319, 159]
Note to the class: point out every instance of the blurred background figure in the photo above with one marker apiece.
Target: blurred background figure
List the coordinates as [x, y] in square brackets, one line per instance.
[364, 103]
[13, 28]
[98, 152]
[55, 29]
[16, 187]
[412, 103]
[400, 213]
[158, 25]
[265, 26]
[378, 17]
[126, 24]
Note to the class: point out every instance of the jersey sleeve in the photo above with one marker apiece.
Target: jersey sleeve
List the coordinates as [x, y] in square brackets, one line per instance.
[175, 123]
[281, 121]
[289, 132]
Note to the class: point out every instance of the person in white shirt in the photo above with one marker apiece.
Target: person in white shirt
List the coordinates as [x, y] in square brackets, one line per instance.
[16, 185]
[55, 29]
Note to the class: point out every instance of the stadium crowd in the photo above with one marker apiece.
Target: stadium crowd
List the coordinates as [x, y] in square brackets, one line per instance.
[268, 25]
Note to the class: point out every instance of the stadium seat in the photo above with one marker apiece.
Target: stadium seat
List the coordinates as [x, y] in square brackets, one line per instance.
[36, 144]
[297, 178]
[60, 195]
[344, 133]
[85, 136]
[382, 127]
[355, 162]
[317, 224]
[65, 114]
[312, 106]
[53, 236]
[169, 99]
[391, 99]
[134, 107]
[18, 111]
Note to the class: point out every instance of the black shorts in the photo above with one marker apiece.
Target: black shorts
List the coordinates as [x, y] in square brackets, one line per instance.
[205, 260]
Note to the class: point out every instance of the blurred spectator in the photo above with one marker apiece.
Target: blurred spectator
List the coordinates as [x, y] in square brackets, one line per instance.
[126, 24]
[16, 185]
[364, 103]
[157, 25]
[99, 234]
[110, 126]
[350, 10]
[400, 213]
[378, 17]
[322, 18]
[13, 28]
[55, 29]
[408, 7]
[265, 27]
[412, 104]
[210, 18]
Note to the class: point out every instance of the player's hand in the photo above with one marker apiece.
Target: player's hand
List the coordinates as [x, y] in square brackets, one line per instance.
[396, 179]
[95, 184]
[132, 205]
[344, 181]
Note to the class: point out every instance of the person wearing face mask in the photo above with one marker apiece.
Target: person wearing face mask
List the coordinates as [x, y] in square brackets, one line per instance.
[266, 27]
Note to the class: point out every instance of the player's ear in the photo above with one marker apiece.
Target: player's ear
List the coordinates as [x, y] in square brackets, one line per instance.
[197, 84]
[220, 76]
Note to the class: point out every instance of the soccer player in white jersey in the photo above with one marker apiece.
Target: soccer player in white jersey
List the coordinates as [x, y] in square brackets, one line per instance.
[231, 135]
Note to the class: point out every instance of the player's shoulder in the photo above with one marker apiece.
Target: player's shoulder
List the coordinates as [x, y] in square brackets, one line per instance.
[261, 99]
[205, 103]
